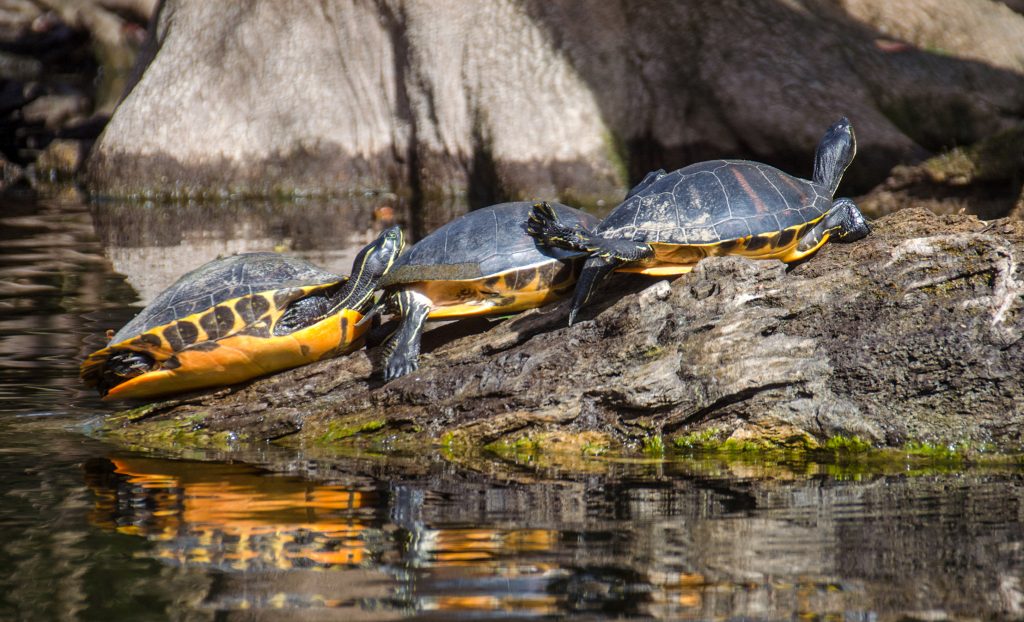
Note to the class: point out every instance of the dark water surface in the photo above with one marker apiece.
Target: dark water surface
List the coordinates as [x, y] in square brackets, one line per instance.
[93, 532]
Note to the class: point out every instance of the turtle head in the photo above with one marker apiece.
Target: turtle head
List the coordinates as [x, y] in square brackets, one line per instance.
[835, 152]
[376, 258]
[371, 264]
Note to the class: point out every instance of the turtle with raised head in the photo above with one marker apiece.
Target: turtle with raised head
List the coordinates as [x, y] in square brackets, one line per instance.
[482, 263]
[240, 317]
[670, 221]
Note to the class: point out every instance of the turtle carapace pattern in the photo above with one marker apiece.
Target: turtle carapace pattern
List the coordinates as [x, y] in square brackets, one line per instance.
[670, 221]
[481, 263]
[240, 317]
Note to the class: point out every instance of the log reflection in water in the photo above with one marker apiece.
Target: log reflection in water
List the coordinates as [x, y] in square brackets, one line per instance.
[666, 545]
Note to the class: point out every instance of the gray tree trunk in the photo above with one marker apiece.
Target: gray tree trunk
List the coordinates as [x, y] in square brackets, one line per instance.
[530, 98]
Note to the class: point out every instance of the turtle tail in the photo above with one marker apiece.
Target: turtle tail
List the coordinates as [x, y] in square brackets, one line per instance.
[543, 226]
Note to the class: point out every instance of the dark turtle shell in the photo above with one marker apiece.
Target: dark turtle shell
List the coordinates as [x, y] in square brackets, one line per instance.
[485, 242]
[177, 343]
[224, 279]
[713, 202]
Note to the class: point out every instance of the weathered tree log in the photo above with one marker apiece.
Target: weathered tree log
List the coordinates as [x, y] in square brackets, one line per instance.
[532, 98]
[912, 334]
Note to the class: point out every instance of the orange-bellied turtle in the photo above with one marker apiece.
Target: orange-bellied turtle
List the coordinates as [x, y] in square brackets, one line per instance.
[672, 220]
[481, 263]
[239, 317]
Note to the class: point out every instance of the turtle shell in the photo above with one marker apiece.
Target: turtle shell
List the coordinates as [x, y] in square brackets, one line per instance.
[215, 326]
[482, 243]
[717, 201]
[222, 279]
[485, 262]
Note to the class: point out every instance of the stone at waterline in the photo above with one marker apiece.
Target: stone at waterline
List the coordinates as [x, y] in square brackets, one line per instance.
[912, 334]
[61, 160]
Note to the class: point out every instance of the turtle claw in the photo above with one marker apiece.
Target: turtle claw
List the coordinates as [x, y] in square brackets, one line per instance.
[853, 225]
[543, 226]
[541, 221]
[398, 367]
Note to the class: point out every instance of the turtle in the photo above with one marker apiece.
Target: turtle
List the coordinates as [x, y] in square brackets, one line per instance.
[483, 262]
[670, 221]
[239, 317]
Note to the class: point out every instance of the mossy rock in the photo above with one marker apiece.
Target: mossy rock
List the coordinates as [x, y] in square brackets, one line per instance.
[996, 158]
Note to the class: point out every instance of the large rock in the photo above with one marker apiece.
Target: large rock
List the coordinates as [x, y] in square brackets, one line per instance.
[913, 334]
[534, 98]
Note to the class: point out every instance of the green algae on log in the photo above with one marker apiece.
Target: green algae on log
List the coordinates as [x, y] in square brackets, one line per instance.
[913, 335]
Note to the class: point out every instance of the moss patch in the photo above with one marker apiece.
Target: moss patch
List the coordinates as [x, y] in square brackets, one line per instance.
[569, 451]
[703, 439]
[995, 158]
[840, 456]
[654, 446]
[170, 434]
[340, 430]
[847, 444]
[743, 440]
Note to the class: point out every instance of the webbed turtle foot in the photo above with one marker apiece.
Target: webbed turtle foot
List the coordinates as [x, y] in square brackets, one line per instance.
[853, 225]
[543, 226]
[398, 366]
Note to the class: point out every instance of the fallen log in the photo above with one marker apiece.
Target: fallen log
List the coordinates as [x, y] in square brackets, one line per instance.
[913, 334]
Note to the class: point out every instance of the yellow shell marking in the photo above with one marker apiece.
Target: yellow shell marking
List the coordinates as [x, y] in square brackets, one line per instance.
[241, 351]
[671, 259]
[506, 292]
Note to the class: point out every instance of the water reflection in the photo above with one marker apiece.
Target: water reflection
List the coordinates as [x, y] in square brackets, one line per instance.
[55, 286]
[232, 517]
[634, 544]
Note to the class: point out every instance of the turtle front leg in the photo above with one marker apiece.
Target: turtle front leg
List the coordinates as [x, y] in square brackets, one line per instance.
[402, 349]
[844, 221]
[595, 270]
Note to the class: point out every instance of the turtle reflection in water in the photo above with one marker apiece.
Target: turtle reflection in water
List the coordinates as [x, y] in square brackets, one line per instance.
[239, 317]
[670, 221]
[481, 263]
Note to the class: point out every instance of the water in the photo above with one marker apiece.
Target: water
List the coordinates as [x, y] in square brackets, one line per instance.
[93, 532]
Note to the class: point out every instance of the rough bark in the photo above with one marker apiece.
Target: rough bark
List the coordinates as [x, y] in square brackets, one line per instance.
[983, 30]
[913, 334]
[510, 99]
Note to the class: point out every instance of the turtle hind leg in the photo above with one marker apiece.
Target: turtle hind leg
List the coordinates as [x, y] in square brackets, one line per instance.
[122, 366]
[544, 227]
[595, 270]
[844, 222]
[303, 312]
[402, 349]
